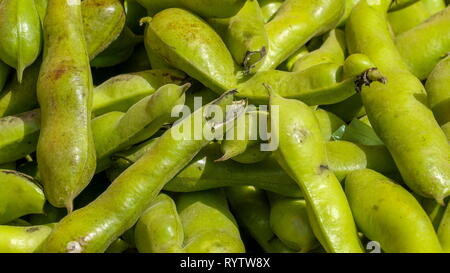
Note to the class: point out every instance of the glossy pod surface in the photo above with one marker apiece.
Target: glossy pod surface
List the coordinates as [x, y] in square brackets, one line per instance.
[191, 45]
[65, 152]
[387, 213]
[397, 110]
[94, 227]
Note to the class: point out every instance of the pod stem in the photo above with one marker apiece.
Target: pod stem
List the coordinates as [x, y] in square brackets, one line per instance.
[369, 76]
[145, 20]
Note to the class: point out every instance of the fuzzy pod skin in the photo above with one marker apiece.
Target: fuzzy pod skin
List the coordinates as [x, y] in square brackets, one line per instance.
[204, 8]
[22, 239]
[444, 231]
[295, 23]
[208, 225]
[115, 131]
[19, 196]
[289, 221]
[21, 40]
[118, 51]
[65, 151]
[245, 35]
[387, 213]
[191, 45]
[269, 8]
[19, 97]
[4, 73]
[252, 210]
[302, 153]
[438, 91]
[159, 229]
[397, 110]
[333, 50]
[103, 21]
[407, 18]
[94, 227]
[423, 46]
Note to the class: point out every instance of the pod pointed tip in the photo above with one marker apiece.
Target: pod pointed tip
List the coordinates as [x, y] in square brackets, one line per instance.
[145, 20]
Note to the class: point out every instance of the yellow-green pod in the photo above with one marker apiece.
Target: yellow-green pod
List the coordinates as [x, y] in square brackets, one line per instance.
[423, 46]
[295, 23]
[388, 214]
[118, 51]
[120, 92]
[289, 221]
[252, 210]
[16, 239]
[21, 40]
[400, 4]
[407, 18]
[434, 6]
[349, 4]
[438, 91]
[333, 50]
[19, 196]
[103, 21]
[209, 226]
[188, 43]
[302, 153]
[65, 151]
[204, 8]
[245, 35]
[328, 123]
[446, 129]
[159, 230]
[269, 8]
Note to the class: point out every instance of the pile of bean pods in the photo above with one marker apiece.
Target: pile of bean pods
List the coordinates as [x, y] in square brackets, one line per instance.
[356, 95]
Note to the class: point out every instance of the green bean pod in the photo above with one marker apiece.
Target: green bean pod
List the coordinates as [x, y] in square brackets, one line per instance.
[407, 18]
[444, 231]
[21, 40]
[400, 4]
[65, 152]
[103, 21]
[94, 227]
[19, 135]
[434, 6]
[245, 35]
[295, 23]
[289, 221]
[387, 213]
[252, 210]
[191, 45]
[302, 153]
[204, 173]
[333, 51]
[397, 110]
[446, 129]
[204, 8]
[269, 8]
[159, 230]
[321, 84]
[16, 239]
[328, 123]
[116, 130]
[349, 5]
[438, 91]
[209, 226]
[19, 196]
[120, 92]
[119, 50]
[134, 12]
[4, 73]
[18, 97]
[423, 46]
